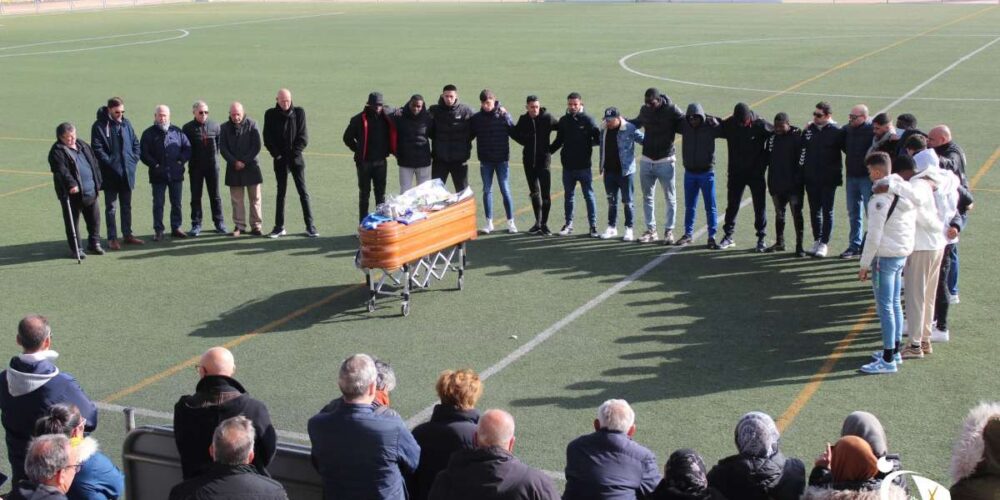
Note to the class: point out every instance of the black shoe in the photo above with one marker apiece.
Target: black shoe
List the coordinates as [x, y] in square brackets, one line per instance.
[255, 232]
[779, 246]
[95, 249]
[761, 245]
[312, 233]
[277, 232]
[686, 240]
[158, 236]
[594, 233]
[712, 245]
[800, 252]
[850, 253]
[177, 233]
[221, 228]
[535, 229]
[726, 242]
[73, 255]
[544, 231]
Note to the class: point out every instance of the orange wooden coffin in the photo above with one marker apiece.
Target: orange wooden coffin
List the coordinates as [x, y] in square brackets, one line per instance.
[393, 244]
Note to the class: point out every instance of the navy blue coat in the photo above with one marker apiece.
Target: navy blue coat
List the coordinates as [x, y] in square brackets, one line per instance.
[857, 141]
[492, 133]
[609, 465]
[25, 395]
[98, 478]
[165, 153]
[361, 455]
[117, 161]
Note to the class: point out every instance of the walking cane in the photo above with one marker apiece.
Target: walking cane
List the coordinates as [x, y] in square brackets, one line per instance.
[72, 228]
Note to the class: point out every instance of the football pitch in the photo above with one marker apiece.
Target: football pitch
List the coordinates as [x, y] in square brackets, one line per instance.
[693, 338]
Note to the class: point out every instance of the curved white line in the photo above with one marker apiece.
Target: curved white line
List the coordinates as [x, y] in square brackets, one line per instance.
[183, 34]
[623, 62]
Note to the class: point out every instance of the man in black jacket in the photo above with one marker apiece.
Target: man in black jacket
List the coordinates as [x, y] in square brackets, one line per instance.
[784, 180]
[822, 166]
[203, 169]
[285, 137]
[76, 176]
[858, 135]
[232, 475]
[371, 135]
[660, 119]
[116, 147]
[452, 138]
[413, 149]
[218, 397]
[576, 135]
[534, 131]
[745, 133]
[952, 158]
[239, 144]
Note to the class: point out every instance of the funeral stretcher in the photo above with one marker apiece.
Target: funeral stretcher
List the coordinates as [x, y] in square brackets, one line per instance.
[398, 258]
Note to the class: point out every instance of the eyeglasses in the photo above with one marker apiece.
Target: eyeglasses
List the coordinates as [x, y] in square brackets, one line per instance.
[817, 114]
[854, 117]
[203, 112]
[77, 467]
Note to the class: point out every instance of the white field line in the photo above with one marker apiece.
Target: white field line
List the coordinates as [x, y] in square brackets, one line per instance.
[623, 62]
[183, 34]
[529, 346]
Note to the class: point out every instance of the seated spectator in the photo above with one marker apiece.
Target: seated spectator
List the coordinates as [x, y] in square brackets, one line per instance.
[452, 427]
[607, 463]
[491, 471]
[218, 396]
[684, 479]
[233, 474]
[30, 385]
[759, 470]
[975, 460]
[853, 470]
[865, 426]
[50, 465]
[98, 478]
[358, 453]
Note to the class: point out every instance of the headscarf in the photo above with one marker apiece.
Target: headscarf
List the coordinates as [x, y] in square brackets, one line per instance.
[852, 460]
[866, 426]
[685, 472]
[756, 435]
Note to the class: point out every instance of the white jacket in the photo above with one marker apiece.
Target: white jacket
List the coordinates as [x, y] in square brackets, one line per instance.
[889, 236]
[920, 191]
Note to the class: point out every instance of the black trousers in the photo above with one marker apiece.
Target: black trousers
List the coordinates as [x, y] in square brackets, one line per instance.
[941, 300]
[540, 191]
[91, 211]
[459, 172]
[281, 170]
[205, 177]
[793, 201]
[371, 175]
[821, 200]
[735, 187]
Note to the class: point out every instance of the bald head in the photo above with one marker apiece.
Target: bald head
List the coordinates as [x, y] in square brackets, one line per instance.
[284, 99]
[858, 115]
[217, 361]
[939, 136]
[34, 333]
[236, 112]
[496, 428]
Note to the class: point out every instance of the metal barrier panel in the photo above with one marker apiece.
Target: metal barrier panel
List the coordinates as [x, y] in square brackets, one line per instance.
[152, 466]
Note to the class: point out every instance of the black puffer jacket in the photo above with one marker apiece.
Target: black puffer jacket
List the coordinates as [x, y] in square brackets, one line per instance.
[576, 135]
[413, 145]
[535, 134]
[491, 474]
[745, 134]
[449, 430]
[698, 147]
[229, 482]
[821, 161]
[452, 132]
[781, 153]
[660, 124]
[755, 478]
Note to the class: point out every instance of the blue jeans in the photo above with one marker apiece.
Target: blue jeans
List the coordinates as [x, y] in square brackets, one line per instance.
[502, 170]
[859, 191]
[693, 185]
[159, 191]
[572, 176]
[887, 281]
[953, 271]
[649, 174]
[615, 185]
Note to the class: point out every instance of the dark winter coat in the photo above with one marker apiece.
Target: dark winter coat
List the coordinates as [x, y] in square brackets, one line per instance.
[449, 430]
[491, 130]
[413, 144]
[820, 158]
[975, 459]
[285, 134]
[217, 398]
[491, 474]
[781, 156]
[952, 157]
[755, 478]
[698, 147]
[367, 146]
[609, 465]
[821, 476]
[241, 143]
[853, 491]
[535, 134]
[576, 135]
[745, 143]
[204, 139]
[165, 152]
[27, 389]
[660, 124]
[116, 146]
[26, 490]
[98, 478]
[451, 132]
[667, 492]
[65, 174]
[857, 141]
[229, 482]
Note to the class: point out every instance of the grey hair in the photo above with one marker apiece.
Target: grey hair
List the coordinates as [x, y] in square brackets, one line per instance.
[616, 415]
[233, 440]
[47, 455]
[64, 128]
[357, 373]
[386, 379]
[198, 104]
[495, 428]
[756, 435]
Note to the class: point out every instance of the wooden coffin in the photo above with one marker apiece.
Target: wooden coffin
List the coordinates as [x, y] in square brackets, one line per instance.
[393, 244]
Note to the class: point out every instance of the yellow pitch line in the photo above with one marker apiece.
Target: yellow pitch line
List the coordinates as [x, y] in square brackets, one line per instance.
[816, 380]
[29, 188]
[992, 160]
[23, 172]
[188, 363]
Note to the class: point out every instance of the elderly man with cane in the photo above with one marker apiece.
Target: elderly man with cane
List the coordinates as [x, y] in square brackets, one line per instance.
[77, 180]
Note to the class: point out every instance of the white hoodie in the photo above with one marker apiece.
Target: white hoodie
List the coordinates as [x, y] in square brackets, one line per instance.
[920, 191]
[889, 236]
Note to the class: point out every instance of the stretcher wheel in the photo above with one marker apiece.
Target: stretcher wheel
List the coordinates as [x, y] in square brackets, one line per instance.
[371, 305]
[405, 309]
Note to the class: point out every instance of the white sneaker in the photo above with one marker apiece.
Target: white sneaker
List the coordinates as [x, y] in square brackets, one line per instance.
[609, 233]
[821, 250]
[816, 244]
[939, 335]
[629, 236]
[511, 228]
[953, 299]
[488, 228]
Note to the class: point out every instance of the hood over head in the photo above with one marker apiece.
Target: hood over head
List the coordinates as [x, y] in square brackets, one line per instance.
[695, 109]
[742, 113]
[866, 426]
[976, 450]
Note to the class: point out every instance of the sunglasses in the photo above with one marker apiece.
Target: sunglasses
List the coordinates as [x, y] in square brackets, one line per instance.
[203, 112]
[853, 117]
[817, 114]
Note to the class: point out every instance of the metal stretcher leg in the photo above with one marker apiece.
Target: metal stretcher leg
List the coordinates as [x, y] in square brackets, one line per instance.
[405, 307]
